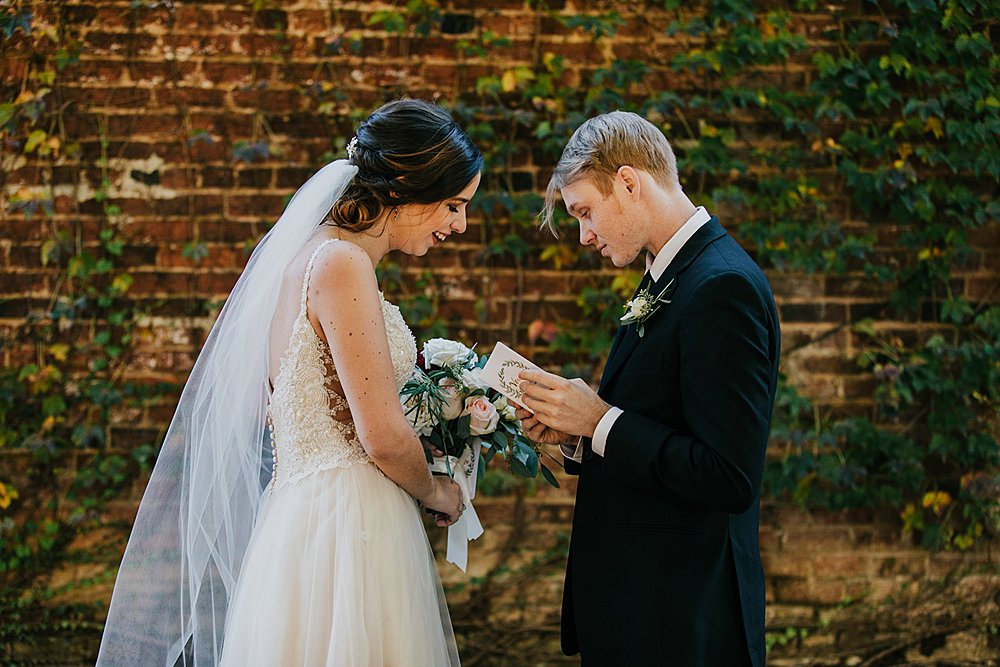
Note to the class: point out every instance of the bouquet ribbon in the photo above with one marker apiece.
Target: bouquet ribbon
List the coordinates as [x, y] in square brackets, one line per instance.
[466, 470]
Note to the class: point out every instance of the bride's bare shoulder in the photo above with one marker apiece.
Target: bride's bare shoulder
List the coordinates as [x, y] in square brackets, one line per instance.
[339, 269]
[341, 261]
[335, 257]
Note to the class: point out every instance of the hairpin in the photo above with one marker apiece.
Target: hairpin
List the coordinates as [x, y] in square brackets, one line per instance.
[352, 148]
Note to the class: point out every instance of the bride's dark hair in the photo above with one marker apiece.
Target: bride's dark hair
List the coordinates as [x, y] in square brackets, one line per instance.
[407, 152]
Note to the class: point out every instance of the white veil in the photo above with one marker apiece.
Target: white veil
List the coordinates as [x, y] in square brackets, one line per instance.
[195, 520]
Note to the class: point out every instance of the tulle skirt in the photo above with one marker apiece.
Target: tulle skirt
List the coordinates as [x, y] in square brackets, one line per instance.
[339, 572]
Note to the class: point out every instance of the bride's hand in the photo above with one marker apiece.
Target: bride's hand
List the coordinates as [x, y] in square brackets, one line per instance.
[539, 432]
[445, 501]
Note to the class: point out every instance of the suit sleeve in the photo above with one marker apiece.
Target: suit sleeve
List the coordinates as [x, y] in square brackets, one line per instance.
[716, 460]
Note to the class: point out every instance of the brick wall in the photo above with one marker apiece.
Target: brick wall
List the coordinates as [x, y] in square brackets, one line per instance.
[172, 87]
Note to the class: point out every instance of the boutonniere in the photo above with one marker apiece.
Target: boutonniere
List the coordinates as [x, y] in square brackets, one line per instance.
[642, 306]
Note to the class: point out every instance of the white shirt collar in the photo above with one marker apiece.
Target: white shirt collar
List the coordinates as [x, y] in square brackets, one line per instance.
[656, 266]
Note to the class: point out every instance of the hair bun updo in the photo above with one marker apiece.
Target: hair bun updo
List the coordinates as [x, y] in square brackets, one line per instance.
[406, 152]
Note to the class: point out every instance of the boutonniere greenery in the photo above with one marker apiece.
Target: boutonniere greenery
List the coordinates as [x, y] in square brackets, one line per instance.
[642, 306]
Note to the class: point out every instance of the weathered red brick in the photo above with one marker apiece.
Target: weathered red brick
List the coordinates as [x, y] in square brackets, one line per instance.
[191, 17]
[216, 177]
[258, 206]
[844, 565]
[215, 283]
[159, 282]
[982, 288]
[812, 312]
[254, 177]
[182, 46]
[229, 72]
[118, 43]
[268, 98]
[99, 70]
[125, 96]
[257, 45]
[160, 71]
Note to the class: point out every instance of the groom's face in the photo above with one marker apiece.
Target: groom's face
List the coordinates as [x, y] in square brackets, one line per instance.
[609, 223]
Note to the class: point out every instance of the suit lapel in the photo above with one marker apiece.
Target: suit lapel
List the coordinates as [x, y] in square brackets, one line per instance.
[627, 337]
[622, 332]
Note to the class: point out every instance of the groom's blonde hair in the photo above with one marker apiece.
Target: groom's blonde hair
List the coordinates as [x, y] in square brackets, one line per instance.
[604, 144]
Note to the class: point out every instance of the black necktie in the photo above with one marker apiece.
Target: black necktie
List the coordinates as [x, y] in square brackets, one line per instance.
[645, 283]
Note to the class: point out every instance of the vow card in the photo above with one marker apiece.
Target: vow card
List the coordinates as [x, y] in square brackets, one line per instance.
[501, 369]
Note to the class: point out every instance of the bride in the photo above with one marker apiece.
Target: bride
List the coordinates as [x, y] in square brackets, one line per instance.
[281, 524]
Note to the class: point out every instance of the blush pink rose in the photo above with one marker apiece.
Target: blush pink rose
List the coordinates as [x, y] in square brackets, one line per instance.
[453, 402]
[483, 415]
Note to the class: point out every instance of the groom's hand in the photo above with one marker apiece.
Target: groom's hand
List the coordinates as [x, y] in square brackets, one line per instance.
[570, 406]
[430, 447]
[539, 432]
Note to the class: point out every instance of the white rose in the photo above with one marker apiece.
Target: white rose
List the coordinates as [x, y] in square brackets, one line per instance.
[505, 409]
[421, 419]
[635, 308]
[454, 401]
[483, 416]
[473, 378]
[442, 352]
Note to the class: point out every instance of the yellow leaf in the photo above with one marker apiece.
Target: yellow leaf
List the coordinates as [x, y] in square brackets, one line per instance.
[933, 125]
[49, 422]
[912, 517]
[548, 60]
[35, 138]
[509, 81]
[121, 283]
[48, 248]
[625, 283]
[963, 542]
[60, 351]
[936, 500]
[924, 254]
[7, 495]
[905, 150]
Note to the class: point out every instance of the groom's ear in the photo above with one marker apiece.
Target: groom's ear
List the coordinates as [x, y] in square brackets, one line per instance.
[629, 178]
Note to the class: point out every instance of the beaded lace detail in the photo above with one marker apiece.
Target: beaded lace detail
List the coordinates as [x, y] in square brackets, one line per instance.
[306, 435]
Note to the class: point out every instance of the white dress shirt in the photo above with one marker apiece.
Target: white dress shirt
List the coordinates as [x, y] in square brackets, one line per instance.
[655, 266]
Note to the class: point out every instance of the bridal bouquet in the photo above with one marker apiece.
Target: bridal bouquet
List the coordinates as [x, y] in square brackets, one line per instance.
[449, 404]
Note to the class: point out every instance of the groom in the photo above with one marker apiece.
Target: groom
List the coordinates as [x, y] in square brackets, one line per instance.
[664, 566]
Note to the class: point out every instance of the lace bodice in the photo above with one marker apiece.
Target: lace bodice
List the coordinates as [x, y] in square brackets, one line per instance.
[306, 437]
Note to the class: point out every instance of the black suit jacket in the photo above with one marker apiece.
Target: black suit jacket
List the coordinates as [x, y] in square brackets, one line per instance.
[664, 565]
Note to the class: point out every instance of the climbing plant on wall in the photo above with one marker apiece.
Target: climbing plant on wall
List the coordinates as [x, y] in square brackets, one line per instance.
[862, 146]
[66, 358]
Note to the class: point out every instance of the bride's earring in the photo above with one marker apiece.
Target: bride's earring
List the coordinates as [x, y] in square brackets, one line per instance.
[395, 216]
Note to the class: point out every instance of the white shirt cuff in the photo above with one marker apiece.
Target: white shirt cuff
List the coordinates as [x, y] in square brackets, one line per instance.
[600, 440]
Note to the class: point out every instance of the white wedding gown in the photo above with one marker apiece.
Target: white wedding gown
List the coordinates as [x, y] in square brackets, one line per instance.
[339, 570]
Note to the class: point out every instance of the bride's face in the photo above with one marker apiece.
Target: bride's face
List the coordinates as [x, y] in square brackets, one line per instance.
[421, 226]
